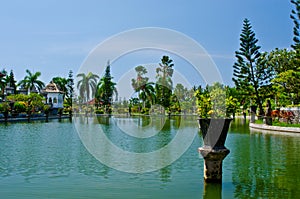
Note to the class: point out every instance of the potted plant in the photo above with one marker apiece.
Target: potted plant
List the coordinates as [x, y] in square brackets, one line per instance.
[214, 119]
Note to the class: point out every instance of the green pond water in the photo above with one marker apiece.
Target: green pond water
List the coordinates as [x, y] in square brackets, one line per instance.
[49, 160]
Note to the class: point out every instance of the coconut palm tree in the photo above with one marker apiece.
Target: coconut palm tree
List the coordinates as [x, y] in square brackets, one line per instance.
[31, 81]
[164, 84]
[61, 82]
[147, 93]
[141, 85]
[87, 85]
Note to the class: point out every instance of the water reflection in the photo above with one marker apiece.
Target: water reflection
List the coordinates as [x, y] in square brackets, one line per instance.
[50, 155]
[121, 144]
[212, 191]
[35, 149]
[264, 165]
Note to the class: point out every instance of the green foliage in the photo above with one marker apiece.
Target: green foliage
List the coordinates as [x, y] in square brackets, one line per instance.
[31, 81]
[295, 16]
[164, 84]
[99, 111]
[87, 85]
[218, 100]
[3, 82]
[35, 102]
[46, 108]
[213, 101]
[278, 123]
[203, 102]
[144, 88]
[18, 97]
[70, 88]
[11, 81]
[286, 83]
[4, 107]
[61, 82]
[145, 111]
[287, 72]
[106, 88]
[251, 71]
[281, 60]
[60, 111]
[20, 107]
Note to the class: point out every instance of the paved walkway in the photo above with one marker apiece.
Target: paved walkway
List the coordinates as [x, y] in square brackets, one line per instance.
[275, 128]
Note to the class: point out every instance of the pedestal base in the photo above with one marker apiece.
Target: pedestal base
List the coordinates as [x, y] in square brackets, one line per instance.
[213, 159]
[252, 117]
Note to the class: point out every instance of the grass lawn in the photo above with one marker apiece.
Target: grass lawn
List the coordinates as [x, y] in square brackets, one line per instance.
[276, 123]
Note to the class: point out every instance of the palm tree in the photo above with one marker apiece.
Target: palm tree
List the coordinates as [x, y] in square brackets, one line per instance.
[147, 93]
[31, 81]
[140, 80]
[87, 85]
[164, 84]
[141, 85]
[61, 82]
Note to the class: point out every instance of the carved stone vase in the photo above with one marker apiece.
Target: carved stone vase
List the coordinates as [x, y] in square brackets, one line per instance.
[214, 131]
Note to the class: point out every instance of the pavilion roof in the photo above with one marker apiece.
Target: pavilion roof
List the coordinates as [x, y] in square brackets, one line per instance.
[52, 88]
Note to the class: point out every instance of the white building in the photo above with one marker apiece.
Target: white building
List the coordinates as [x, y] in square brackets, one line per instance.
[54, 96]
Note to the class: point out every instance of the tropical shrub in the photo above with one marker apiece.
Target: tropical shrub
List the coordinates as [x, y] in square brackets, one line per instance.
[20, 107]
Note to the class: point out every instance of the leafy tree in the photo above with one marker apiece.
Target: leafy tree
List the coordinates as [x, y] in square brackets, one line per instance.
[185, 100]
[34, 103]
[18, 97]
[5, 109]
[282, 61]
[87, 85]
[232, 101]
[286, 83]
[105, 89]
[31, 81]
[251, 72]
[164, 84]
[180, 92]
[20, 107]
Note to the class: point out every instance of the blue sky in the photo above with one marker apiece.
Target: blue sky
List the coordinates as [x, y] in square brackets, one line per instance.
[54, 37]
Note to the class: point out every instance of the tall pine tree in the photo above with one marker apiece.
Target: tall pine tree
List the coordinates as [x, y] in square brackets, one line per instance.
[12, 81]
[105, 89]
[250, 70]
[295, 16]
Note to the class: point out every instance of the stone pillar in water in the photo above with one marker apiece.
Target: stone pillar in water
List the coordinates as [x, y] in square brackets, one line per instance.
[213, 159]
[268, 114]
[252, 113]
